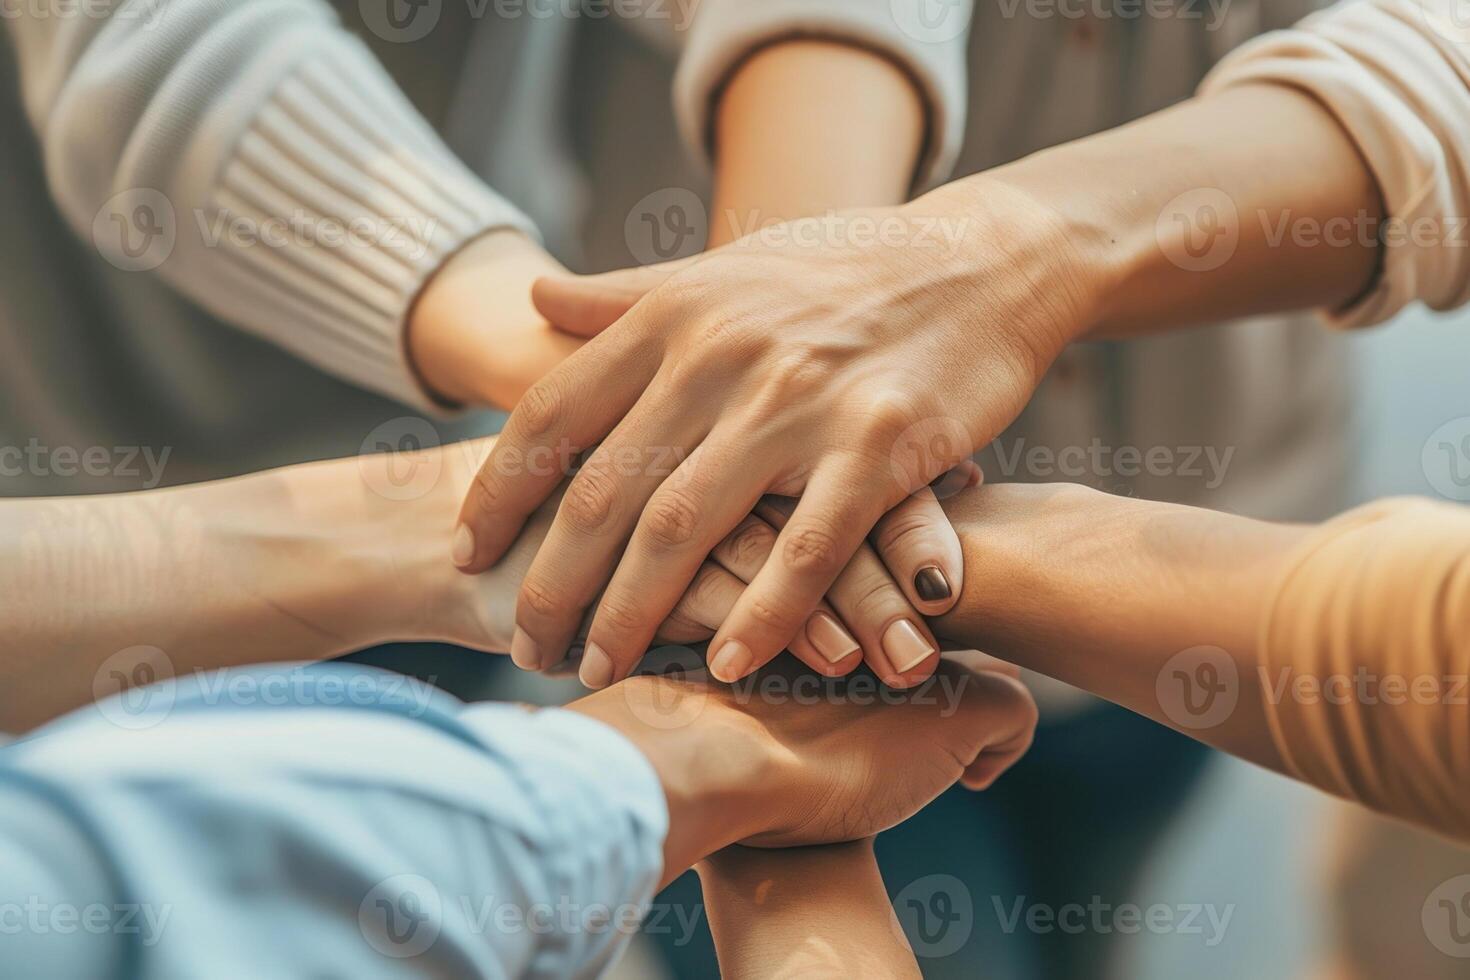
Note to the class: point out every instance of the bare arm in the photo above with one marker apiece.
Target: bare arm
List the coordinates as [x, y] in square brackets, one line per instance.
[802, 912]
[784, 149]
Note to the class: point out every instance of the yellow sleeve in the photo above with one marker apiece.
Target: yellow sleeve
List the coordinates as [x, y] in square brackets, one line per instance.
[1364, 660]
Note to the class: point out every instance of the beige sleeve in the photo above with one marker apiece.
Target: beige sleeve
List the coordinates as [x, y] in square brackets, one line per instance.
[1396, 74]
[1364, 660]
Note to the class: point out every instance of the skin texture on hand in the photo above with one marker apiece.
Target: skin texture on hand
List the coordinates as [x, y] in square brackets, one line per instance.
[804, 759]
[877, 382]
[802, 912]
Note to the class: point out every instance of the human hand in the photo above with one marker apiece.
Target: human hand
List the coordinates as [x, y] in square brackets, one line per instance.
[855, 617]
[474, 336]
[849, 374]
[789, 759]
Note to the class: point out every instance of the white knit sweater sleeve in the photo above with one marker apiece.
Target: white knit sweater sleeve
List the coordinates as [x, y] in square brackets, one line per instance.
[927, 38]
[257, 157]
[1396, 74]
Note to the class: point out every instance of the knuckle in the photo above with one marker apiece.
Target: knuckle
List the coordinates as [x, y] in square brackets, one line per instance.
[489, 491]
[619, 616]
[590, 498]
[812, 549]
[749, 544]
[874, 598]
[671, 518]
[772, 615]
[903, 534]
[540, 599]
[542, 407]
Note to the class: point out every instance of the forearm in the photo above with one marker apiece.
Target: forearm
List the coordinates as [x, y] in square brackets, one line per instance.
[785, 147]
[1202, 212]
[299, 563]
[801, 912]
[1108, 593]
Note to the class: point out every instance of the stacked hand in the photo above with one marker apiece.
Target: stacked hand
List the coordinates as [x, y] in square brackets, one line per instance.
[739, 765]
[849, 372]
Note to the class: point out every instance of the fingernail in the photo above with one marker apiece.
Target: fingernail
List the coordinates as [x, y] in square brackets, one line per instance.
[524, 652]
[831, 640]
[596, 671]
[464, 545]
[931, 584]
[731, 662]
[905, 647]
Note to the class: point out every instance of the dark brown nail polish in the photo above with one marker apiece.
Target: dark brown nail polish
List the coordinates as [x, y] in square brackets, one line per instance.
[931, 584]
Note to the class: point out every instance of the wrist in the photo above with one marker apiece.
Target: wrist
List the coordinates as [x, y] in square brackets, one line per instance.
[712, 760]
[1075, 243]
[473, 328]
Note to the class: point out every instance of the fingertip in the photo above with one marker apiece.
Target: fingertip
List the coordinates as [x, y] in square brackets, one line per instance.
[732, 661]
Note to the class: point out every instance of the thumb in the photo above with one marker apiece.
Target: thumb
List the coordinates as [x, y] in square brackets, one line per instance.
[587, 305]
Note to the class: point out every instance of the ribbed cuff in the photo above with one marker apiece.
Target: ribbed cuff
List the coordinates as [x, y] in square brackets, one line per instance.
[335, 207]
[727, 32]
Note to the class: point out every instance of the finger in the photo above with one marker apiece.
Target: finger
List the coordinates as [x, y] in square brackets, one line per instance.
[565, 412]
[587, 305]
[708, 601]
[824, 645]
[703, 607]
[838, 507]
[684, 519]
[922, 550]
[597, 514]
[896, 641]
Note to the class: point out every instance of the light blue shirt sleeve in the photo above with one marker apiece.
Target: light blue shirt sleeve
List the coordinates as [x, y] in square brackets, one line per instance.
[322, 821]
